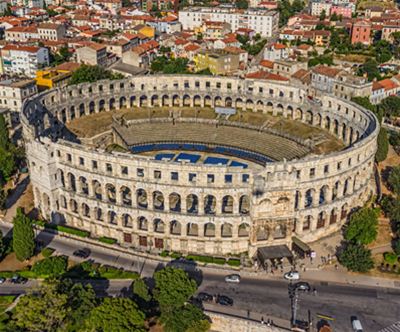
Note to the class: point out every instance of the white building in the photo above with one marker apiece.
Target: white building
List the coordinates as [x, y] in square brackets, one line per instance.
[51, 31]
[3, 7]
[24, 60]
[264, 22]
[317, 7]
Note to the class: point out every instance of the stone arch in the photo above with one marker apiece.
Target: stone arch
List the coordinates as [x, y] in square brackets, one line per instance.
[279, 231]
[192, 229]
[226, 230]
[71, 181]
[72, 114]
[111, 193]
[82, 109]
[309, 198]
[207, 101]
[126, 196]
[142, 223]
[335, 190]
[336, 127]
[97, 190]
[46, 201]
[209, 229]
[175, 202]
[318, 120]
[309, 117]
[227, 204]
[122, 102]
[249, 104]
[244, 204]
[218, 101]
[192, 204]
[143, 101]
[159, 225]
[344, 131]
[111, 103]
[327, 123]
[112, 217]
[210, 203]
[132, 101]
[228, 102]
[333, 216]
[323, 194]
[239, 103]
[321, 219]
[346, 186]
[262, 233]
[307, 222]
[73, 206]
[141, 198]
[186, 100]
[244, 230]
[298, 114]
[158, 200]
[175, 227]
[260, 105]
[154, 100]
[176, 100]
[165, 100]
[92, 107]
[83, 185]
[197, 101]
[63, 202]
[85, 210]
[343, 211]
[60, 176]
[102, 105]
[127, 221]
[98, 214]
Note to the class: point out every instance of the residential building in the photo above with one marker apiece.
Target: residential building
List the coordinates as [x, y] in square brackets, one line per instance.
[219, 62]
[276, 51]
[92, 54]
[3, 7]
[383, 89]
[215, 30]
[323, 78]
[388, 29]
[264, 22]
[51, 31]
[288, 67]
[345, 11]
[141, 55]
[21, 33]
[347, 86]
[317, 7]
[361, 33]
[56, 77]
[24, 60]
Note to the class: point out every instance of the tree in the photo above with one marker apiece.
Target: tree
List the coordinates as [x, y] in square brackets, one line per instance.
[187, 318]
[322, 16]
[397, 247]
[394, 180]
[4, 140]
[115, 314]
[383, 146]
[52, 266]
[23, 236]
[86, 73]
[173, 288]
[391, 106]
[370, 68]
[3, 198]
[2, 245]
[362, 227]
[7, 164]
[355, 257]
[41, 310]
[141, 290]
[396, 44]
[334, 17]
[242, 4]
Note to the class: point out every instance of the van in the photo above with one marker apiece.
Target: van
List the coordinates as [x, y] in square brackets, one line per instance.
[355, 322]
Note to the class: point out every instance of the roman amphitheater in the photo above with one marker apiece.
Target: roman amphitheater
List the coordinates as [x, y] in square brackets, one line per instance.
[198, 164]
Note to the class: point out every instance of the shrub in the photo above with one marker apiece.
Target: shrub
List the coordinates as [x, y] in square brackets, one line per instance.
[176, 255]
[47, 252]
[218, 260]
[72, 231]
[164, 253]
[390, 257]
[51, 266]
[233, 262]
[107, 240]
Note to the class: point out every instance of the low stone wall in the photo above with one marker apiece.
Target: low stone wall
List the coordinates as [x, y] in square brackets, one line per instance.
[224, 323]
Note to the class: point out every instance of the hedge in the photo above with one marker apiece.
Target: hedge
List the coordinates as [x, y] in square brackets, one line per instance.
[107, 240]
[233, 262]
[51, 266]
[61, 228]
[206, 259]
[47, 252]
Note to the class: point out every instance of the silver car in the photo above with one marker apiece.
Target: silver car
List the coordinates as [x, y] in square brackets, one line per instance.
[234, 278]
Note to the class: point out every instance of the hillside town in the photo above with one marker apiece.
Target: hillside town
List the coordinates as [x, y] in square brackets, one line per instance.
[199, 165]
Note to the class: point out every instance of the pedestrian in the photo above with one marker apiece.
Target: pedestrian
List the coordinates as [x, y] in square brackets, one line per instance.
[248, 313]
[262, 320]
[268, 322]
[336, 267]
[314, 291]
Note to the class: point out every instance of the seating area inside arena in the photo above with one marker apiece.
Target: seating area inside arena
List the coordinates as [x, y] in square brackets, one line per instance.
[256, 145]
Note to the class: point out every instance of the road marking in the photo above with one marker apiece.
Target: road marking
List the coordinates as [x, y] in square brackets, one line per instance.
[325, 317]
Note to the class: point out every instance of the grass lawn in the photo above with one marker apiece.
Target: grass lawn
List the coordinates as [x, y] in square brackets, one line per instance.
[5, 301]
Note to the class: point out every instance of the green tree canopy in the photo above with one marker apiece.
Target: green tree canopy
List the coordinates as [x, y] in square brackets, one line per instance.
[242, 4]
[23, 236]
[383, 145]
[391, 106]
[322, 16]
[41, 310]
[362, 227]
[86, 73]
[355, 257]
[370, 68]
[116, 314]
[51, 266]
[4, 140]
[394, 180]
[173, 288]
[188, 318]
[2, 245]
[141, 290]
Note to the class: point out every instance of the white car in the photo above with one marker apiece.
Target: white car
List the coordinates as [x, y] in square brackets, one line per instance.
[292, 275]
[234, 278]
[355, 322]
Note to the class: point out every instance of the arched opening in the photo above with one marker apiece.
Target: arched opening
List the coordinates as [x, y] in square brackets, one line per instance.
[323, 192]
[83, 185]
[85, 210]
[97, 191]
[122, 102]
[60, 175]
[210, 204]
[112, 218]
[126, 196]
[102, 104]
[244, 230]
[244, 205]
[63, 202]
[279, 232]
[343, 213]
[111, 193]
[333, 217]
[175, 227]
[226, 230]
[186, 100]
[158, 201]
[197, 100]
[159, 226]
[72, 114]
[209, 230]
[92, 107]
[154, 100]
[192, 229]
[228, 102]
[112, 104]
[227, 204]
[142, 223]
[207, 101]
[175, 202]
[176, 100]
[82, 109]
[141, 198]
[165, 100]
[262, 233]
[73, 206]
[321, 220]
[98, 214]
[309, 197]
[143, 101]
[192, 204]
[127, 221]
[72, 182]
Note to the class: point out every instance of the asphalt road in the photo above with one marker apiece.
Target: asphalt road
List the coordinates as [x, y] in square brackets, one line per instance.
[376, 307]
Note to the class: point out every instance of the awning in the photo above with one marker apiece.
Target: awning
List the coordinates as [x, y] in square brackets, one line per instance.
[301, 245]
[273, 252]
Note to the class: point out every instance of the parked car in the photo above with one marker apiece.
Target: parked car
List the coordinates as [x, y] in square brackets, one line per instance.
[234, 278]
[82, 253]
[205, 297]
[224, 300]
[303, 286]
[2, 280]
[16, 279]
[355, 322]
[292, 275]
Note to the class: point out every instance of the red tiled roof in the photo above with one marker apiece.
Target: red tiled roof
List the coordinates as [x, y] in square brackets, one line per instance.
[11, 47]
[263, 75]
[326, 71]
[267, 64]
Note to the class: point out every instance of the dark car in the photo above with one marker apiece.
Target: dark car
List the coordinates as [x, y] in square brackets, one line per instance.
[82, 253]
[224, 300]
[302, 286]
[16, 279]
[205, 297]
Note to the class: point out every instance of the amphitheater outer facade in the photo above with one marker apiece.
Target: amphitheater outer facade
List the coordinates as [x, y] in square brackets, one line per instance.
[308, 198]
